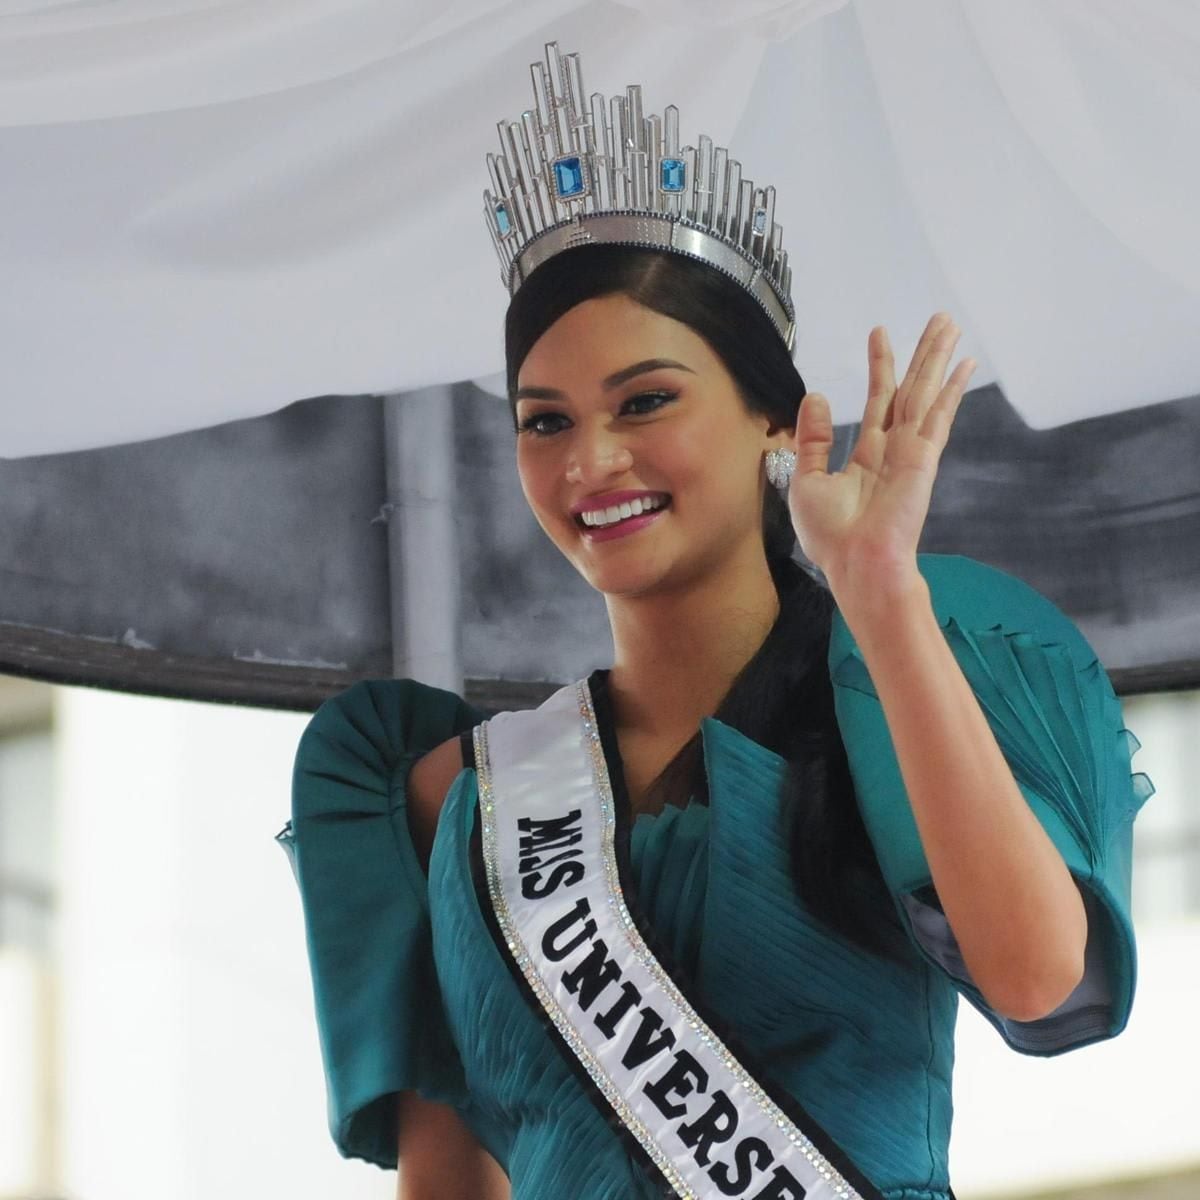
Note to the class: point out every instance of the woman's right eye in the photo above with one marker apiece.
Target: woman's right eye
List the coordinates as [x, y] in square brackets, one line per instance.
[530, 423]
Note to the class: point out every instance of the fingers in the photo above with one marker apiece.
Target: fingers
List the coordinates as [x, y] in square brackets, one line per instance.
[937, 333]
[879, 412]
[932, 373]
[814, 434]
[938, 420]
[920, 400]
[881, 383]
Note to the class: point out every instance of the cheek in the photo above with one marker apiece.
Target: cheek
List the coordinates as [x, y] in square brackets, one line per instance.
[698, 461]
[537, 477]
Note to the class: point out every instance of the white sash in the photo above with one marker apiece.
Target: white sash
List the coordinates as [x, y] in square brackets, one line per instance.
[548, 825]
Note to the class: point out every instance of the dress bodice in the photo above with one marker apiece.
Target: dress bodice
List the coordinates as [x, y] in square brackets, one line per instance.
[867, 1044]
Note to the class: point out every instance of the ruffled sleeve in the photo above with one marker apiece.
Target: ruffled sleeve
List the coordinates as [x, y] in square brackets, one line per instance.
[1052, 709]
[366, 910]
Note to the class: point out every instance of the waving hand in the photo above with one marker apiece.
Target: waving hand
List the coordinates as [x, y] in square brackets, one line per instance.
[867, 517]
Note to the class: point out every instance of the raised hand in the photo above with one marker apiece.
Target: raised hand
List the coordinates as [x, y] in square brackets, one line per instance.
[861, 524]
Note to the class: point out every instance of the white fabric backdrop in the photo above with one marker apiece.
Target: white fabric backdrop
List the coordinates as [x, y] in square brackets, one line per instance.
[212, 208]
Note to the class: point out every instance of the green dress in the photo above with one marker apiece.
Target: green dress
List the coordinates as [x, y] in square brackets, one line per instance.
[410, 990]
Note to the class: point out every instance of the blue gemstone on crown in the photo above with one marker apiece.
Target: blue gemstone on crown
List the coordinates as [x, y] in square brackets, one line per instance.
[760, 220]
[568, 177]
[503, 223]
[674, 175]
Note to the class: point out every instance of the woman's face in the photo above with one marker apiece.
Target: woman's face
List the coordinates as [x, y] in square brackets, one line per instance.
[615, 397]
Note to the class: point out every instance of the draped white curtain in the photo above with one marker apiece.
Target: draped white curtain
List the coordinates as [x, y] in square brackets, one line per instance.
[211, 209]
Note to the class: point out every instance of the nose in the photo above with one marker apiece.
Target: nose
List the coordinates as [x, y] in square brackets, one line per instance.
[594, 457]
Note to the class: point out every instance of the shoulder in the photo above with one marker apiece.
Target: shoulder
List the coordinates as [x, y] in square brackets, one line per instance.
[429, 780]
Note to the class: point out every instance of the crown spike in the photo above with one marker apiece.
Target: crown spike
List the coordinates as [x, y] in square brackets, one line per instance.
[654, 137]
[768, 222]
[758, 217]
[620, 145]
[518, 213]
[560, 118]
[555, 209]
[635, 131]
[510, 143]
[689, 188]
[573, 79]
[720, 180]
[531, 147]
[493, 166]
[504, 265]
[593, 201]
[532, 215]
[774, 245]
[745, 207]
[502, 248]
[733, 193]
[615, 155]
[654, 196]
[579, 138]
[602, 138]
[534, 148]
[550, 56]
[670, 131]
[541, 96]
[553, 64]
[704, 181]
[517, 182]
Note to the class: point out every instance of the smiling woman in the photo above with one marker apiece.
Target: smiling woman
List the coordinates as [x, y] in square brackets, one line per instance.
[698, 924]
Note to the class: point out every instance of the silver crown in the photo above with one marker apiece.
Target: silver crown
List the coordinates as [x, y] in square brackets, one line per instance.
[569, 176]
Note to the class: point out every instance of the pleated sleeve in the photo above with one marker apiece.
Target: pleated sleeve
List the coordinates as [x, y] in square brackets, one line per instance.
[1058, 722]
[365, 902]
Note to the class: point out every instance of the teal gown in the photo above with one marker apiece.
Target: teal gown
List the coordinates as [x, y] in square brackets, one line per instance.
[410, 990]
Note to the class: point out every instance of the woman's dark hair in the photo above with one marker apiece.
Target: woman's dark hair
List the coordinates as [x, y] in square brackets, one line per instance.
[782, 698]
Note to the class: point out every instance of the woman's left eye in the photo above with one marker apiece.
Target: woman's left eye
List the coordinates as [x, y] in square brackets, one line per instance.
[665, 397]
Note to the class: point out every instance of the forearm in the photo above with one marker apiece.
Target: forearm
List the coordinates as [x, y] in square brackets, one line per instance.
[1015, 911]
[439, 1156]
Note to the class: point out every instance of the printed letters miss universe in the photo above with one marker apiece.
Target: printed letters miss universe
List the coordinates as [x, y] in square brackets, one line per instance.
[551, 867]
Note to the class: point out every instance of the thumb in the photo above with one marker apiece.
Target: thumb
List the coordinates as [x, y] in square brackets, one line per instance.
[814, 434]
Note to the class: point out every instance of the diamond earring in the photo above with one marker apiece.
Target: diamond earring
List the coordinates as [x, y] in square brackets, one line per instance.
[780, 465]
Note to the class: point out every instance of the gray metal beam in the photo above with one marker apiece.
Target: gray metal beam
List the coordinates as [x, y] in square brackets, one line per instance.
[423, 555]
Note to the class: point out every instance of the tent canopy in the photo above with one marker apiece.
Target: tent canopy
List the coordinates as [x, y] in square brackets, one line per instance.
[214, 209]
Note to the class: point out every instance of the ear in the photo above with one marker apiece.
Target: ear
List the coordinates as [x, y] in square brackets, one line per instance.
[780, 435]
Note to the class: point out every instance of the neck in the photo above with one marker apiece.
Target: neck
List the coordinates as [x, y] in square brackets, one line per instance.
[677, 653]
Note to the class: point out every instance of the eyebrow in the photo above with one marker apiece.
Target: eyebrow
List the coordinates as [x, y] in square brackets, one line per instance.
[624, 375]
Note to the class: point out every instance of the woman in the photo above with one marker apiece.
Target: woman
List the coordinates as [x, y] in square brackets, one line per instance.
[837, 806]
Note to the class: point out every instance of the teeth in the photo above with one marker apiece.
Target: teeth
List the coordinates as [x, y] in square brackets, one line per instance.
[619, 512]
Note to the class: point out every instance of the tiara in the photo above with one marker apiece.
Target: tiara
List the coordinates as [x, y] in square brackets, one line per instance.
[569, 176]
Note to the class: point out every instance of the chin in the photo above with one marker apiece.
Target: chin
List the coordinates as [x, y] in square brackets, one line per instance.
[626, 579]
